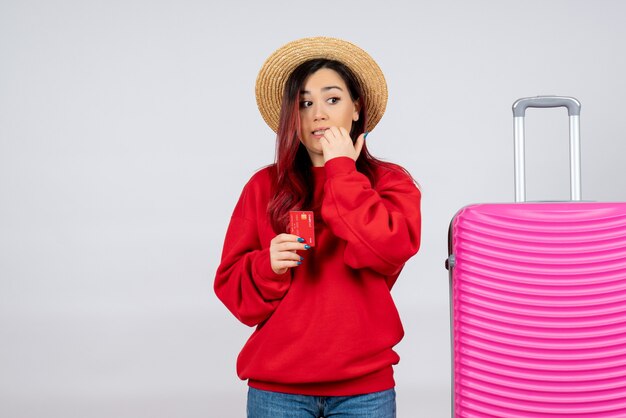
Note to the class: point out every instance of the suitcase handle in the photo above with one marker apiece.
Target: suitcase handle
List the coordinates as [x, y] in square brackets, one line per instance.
[572, 105]
[519, 112]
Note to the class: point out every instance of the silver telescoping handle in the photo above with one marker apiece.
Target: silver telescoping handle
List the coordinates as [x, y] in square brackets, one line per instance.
[519, 112]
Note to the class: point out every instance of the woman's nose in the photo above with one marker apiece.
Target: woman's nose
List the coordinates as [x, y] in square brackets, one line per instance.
[319, 113]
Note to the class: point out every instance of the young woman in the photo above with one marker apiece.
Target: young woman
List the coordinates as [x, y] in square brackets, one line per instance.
[325, 321]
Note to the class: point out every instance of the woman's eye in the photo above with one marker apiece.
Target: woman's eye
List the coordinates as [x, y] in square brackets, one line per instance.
[333, 100]
[305, 103]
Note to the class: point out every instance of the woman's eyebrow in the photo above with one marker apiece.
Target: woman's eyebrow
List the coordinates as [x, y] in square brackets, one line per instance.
[323, 89]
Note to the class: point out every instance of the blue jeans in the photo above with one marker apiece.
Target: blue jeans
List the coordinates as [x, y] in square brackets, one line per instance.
[265, 404]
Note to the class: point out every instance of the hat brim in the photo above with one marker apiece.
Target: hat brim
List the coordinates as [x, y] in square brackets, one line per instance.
[273, 75]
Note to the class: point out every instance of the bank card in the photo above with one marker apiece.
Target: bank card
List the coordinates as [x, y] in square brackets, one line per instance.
[302, 225]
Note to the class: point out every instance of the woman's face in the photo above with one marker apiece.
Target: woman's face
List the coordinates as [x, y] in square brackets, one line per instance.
[324, 102]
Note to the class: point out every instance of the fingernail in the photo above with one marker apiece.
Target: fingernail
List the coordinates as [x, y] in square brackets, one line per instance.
[307, 246]
[366, 134]
[300, 239]
[299, 262]
[301, 258]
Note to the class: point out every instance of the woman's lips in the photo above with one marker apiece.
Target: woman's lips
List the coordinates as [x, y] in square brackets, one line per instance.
[318, 133]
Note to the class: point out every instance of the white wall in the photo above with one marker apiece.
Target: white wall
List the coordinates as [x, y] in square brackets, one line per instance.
[128, 128]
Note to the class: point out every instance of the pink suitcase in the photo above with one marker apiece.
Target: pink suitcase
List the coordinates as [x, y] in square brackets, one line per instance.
[538, 299]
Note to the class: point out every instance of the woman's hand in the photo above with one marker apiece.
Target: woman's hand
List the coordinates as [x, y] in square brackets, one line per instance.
[283, 254]
[336, 142]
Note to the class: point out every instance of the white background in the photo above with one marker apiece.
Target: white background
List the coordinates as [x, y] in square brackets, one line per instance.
[128, 128]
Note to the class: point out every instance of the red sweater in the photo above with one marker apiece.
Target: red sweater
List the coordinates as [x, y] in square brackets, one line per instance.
[328, 326]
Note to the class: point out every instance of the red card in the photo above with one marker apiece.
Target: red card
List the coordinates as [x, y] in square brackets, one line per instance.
[302, 225]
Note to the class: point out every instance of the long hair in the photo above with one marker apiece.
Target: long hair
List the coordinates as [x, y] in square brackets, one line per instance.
[294, 180]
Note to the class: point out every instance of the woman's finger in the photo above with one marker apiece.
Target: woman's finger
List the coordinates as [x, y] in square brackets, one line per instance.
[284, 238]
[332, 133]
[291, 246]
[284, 265]
[288, 256]
[344, 133]
[358, 145]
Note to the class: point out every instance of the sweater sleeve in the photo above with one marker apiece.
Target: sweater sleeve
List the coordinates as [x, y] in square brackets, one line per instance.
[245, 281]
[381, 226]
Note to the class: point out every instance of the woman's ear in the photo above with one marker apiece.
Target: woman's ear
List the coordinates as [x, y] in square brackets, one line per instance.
[357, 109]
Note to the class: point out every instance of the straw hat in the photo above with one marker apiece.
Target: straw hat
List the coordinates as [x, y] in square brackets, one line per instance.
[271, 80]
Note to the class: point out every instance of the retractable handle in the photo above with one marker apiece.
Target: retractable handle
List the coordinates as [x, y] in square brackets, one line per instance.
[519, 113]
